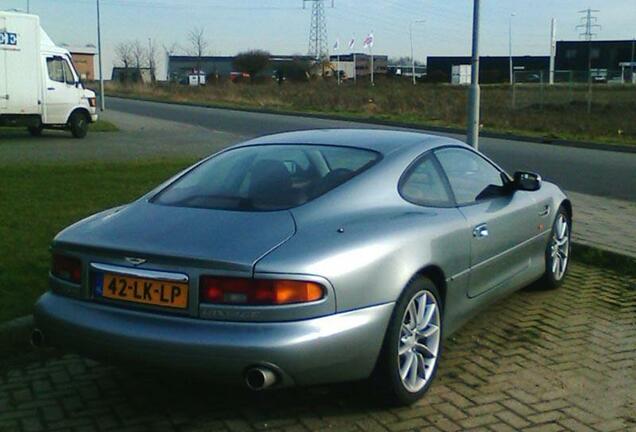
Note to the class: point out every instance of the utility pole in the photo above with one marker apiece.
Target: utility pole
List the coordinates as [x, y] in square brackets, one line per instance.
[632, 61]
[552, 49]
[473, 97]
[412, 55]
[512, 79]
[101, 59]
[28, 6]
[588, 26]
[318, 42]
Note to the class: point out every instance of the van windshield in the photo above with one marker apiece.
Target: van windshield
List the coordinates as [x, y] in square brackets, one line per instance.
[266, 177]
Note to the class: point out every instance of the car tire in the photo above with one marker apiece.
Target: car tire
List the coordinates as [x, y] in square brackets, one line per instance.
[404, 345]
[558, 251]
[35, 131]
[78, 124]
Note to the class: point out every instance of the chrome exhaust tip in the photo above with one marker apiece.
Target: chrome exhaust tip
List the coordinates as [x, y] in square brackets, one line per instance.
[260, 378]
[37, 338]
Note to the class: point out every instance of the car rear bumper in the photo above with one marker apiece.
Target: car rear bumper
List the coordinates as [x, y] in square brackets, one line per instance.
[334, 348]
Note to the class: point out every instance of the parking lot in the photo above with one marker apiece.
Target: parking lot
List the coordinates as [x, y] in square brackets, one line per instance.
[139, 138]
[539, 360]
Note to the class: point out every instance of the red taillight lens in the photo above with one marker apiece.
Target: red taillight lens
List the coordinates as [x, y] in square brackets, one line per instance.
[92, 102]
[258, 291]
[67, 268]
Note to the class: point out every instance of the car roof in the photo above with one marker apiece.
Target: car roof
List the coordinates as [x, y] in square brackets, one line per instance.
[384, 141]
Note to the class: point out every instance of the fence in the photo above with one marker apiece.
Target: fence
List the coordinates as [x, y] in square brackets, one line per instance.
[532, 89]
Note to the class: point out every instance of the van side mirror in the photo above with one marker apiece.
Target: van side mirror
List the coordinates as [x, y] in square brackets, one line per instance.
[526, 181]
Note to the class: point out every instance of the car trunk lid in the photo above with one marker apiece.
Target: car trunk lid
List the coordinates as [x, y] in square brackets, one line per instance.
[220, 239]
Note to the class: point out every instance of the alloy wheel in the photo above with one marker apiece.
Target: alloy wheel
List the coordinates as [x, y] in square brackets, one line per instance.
[560, 247]
[419, 343]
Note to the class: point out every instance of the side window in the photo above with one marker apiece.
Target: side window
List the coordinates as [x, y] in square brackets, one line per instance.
[471, 177]
[55, 68]
[68, 73]
[423, 184]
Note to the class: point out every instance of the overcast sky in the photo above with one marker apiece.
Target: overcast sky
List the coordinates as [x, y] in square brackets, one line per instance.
[282, 26]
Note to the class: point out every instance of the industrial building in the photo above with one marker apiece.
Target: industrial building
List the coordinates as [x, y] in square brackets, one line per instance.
[83, 60]
[492, 69]
[181, 67]
[132, 75]
[362, 66]
[610, 61]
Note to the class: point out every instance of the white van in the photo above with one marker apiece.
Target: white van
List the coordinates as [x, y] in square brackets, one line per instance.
[39, 86]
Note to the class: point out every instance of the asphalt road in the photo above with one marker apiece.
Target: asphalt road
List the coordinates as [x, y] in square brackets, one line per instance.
[594, 172]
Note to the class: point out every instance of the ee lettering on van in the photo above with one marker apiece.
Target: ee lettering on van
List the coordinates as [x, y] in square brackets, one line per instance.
[10, 39]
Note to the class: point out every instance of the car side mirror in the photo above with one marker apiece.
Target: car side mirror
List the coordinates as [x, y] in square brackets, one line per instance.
[526, 181]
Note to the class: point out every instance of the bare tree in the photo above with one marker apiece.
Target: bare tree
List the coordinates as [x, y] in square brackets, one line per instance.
[198, 45]
[138, 54]
[252, 62]
[123, 52]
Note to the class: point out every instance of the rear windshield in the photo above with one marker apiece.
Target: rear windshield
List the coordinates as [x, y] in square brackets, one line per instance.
[266, 177]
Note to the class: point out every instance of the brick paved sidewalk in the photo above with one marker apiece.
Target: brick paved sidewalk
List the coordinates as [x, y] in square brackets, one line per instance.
[605, 223]
[549, 361]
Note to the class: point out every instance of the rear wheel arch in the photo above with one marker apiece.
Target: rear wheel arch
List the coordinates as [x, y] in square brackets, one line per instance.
[437, 276]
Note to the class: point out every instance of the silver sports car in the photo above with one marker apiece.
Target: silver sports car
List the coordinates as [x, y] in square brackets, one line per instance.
[304, 258]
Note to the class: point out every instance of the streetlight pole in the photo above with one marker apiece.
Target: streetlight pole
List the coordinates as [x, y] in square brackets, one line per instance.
[631, 65]
[510, 48]
[101, 57]
[412, 54]
[472, 137]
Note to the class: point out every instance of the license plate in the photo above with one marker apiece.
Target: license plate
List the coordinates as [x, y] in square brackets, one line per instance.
[140, 290]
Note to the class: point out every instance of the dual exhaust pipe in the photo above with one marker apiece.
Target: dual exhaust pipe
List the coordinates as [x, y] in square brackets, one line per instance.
[256, 378]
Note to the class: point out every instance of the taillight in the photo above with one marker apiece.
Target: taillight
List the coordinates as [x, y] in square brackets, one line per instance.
[239, 291]
[92, 102]
[66, 268]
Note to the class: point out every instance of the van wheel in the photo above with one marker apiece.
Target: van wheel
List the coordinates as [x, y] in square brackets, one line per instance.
[78, 124]
[412, 345]
[36, 131]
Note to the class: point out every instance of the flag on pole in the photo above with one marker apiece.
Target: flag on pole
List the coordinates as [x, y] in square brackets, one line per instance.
[368, 41]
[336, 46]
[352, 43]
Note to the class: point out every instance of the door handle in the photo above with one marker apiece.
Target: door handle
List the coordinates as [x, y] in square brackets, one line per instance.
[51, 88]
[545, 211]
[480, 231]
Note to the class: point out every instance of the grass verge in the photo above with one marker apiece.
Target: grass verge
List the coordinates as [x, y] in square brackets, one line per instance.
[103, 126]
[39, 200]
[549, 114]
[621, 264]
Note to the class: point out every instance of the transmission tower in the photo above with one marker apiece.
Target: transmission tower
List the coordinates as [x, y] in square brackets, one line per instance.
[318, 42]
[588, 24]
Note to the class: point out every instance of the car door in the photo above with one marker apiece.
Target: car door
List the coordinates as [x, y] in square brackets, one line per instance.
[61, 93]
[502, 221]
[423, 184]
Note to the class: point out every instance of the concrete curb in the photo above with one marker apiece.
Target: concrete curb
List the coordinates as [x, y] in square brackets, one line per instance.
[430, 128]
